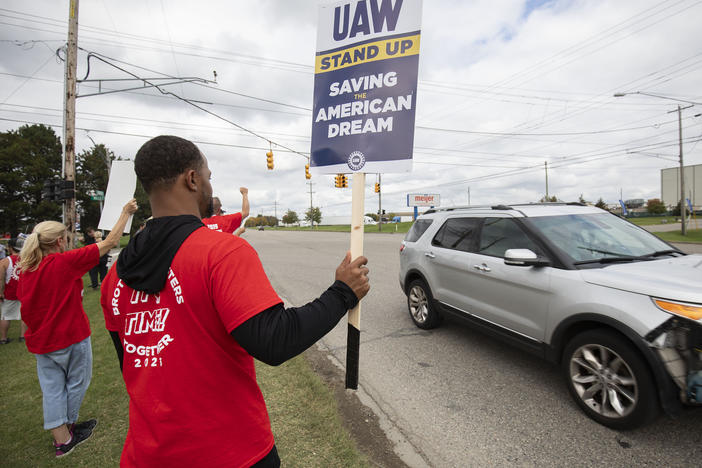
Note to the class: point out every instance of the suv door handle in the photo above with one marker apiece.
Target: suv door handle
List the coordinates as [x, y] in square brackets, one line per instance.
[482, 267]
[429, 254]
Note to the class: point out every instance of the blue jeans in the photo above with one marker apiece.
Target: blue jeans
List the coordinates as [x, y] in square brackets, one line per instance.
[64, 377]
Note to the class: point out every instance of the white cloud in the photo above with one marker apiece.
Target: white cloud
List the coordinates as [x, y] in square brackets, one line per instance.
[485, 66]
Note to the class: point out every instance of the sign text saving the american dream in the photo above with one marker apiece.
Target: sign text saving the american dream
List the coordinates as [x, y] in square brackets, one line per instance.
[365, 86]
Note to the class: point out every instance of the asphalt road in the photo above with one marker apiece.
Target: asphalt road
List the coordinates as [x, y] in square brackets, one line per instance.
[453, 397]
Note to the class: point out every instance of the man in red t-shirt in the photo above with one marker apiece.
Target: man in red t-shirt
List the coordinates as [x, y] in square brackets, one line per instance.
[188, 308]
[228, 223]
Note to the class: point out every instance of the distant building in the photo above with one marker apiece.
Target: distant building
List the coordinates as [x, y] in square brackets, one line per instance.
[670, 185]
[635, 203]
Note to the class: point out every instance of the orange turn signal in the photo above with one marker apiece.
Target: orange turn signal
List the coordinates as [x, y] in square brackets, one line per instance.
[686, 310]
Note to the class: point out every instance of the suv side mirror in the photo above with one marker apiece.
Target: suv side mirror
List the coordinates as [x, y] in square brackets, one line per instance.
[524, 257]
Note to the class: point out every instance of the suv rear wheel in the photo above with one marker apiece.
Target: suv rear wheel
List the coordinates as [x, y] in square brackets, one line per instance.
[421, 305]
[609, 379]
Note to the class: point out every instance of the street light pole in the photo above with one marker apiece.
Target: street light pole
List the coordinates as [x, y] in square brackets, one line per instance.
[546, 170]
[683, 210]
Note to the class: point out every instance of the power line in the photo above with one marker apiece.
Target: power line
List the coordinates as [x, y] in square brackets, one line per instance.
[105, 60]
[262, 109]
[148, 137]
[593, 132]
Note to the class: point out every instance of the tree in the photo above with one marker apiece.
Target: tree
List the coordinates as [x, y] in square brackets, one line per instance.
[655, 206]
[373, 215]
[582, 200]
[601, 204]
[92, 168]
[261, 220]
[546, 199]
[290, 217]
[313, 215]
[28, 156]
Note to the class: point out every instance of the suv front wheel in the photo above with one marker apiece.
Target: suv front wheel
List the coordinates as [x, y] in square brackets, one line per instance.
[421, 305]
[609, 379]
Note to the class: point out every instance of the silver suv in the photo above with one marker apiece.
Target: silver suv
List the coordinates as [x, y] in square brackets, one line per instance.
[617, 308]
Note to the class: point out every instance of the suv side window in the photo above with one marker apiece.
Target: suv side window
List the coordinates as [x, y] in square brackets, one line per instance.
[417, 229]
[457, 234]
[501, 234]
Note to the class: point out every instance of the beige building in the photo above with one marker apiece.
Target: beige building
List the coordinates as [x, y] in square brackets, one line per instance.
[670, 185]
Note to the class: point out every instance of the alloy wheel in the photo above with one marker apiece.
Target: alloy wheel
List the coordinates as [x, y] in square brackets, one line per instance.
[603, 380]
[418, 304]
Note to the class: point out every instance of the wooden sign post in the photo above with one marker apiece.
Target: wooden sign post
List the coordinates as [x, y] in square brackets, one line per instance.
[365, 93]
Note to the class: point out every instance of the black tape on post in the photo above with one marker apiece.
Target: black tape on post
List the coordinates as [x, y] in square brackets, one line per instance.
[353, 341]
[353, 345]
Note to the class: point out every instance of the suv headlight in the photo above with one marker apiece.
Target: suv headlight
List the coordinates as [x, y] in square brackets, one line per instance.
[691, 311]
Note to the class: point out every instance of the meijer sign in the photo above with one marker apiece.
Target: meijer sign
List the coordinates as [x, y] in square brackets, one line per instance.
[423, 199]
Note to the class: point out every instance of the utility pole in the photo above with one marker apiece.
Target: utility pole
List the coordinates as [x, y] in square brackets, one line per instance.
[310, 184]
[275, 210]
[683, 205]
[380, 206]
[546, 169]
[468, 195]
[69, 119]
[682, 176]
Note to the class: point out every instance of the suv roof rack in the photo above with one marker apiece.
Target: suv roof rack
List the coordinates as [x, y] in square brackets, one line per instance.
[459, 207]
[502, 207]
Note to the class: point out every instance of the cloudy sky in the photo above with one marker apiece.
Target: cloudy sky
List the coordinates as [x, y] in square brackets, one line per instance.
[505, 86]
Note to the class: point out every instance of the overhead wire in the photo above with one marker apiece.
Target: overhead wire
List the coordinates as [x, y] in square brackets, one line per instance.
[105, 60]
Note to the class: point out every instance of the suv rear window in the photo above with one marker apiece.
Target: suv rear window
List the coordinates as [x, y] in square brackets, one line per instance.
[417, 229]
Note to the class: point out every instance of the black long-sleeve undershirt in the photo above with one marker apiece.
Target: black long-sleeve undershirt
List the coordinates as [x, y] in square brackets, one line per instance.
[277, 334]
[118, 347]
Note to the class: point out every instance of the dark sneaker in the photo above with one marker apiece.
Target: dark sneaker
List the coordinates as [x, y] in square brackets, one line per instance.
[87, 425]
[77, 438]
[5, 341]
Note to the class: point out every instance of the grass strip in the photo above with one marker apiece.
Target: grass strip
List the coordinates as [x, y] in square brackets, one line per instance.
[304, 414]
[389, 228]
[692, 235]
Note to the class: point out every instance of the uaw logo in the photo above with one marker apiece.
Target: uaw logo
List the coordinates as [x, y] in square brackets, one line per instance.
[147, 321]
[356, 161]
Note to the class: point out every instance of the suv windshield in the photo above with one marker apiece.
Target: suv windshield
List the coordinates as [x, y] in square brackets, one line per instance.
[593, 237]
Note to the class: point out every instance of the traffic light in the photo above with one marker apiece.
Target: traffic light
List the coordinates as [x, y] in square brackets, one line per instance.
[307, 172]
[67, 191]
[377, 187]
[57, 190]
[341, 181]
[269, 160]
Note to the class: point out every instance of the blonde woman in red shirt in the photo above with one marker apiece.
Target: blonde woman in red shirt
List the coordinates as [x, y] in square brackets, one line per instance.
[51, 293]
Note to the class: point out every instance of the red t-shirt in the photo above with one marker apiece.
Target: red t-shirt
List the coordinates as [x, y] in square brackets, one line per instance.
[52, 300]
[225, 223]
[194, 399]
[12, 278]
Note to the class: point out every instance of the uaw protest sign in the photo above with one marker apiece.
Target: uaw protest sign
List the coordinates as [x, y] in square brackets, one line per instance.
[365, 86]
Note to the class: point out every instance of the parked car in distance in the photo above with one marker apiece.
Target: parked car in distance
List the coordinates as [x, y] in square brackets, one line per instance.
[614, 306]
